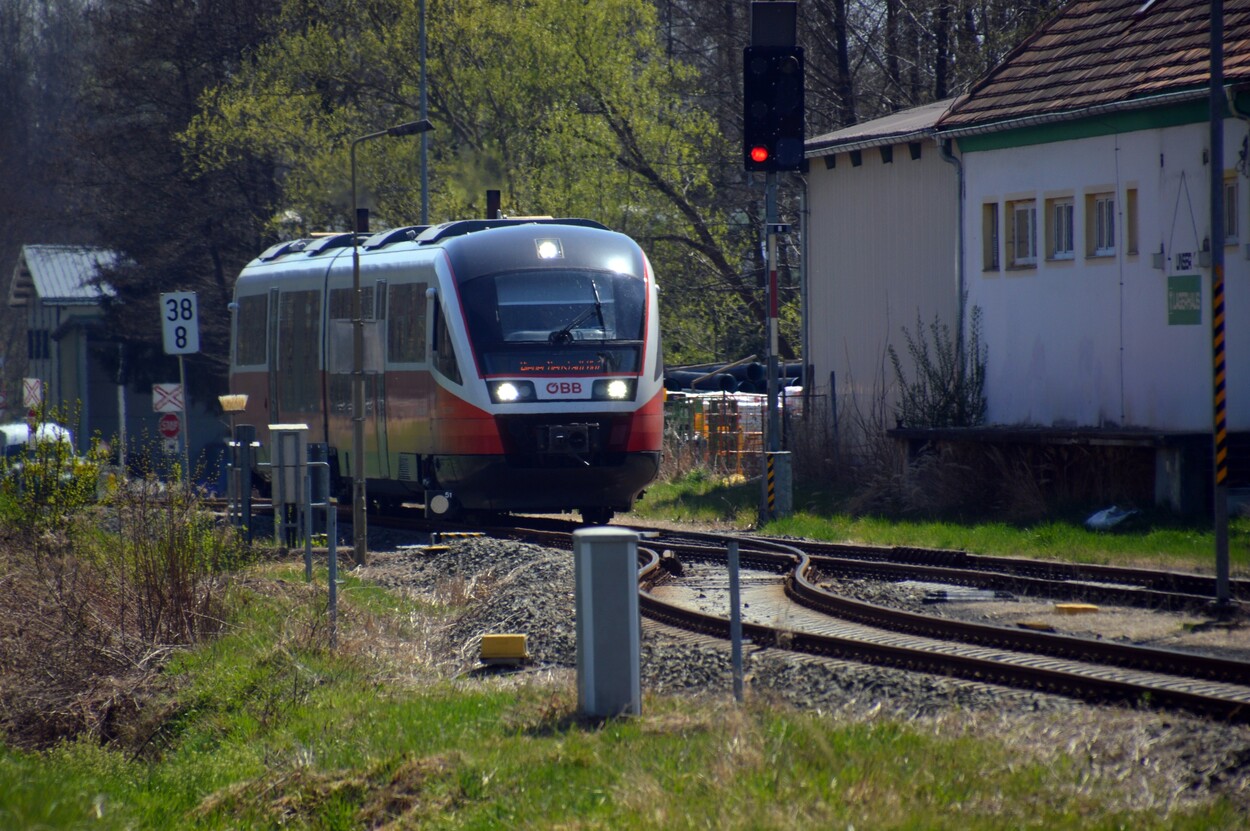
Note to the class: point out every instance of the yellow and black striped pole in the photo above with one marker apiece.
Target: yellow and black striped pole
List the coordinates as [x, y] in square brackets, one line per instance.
[1220, 410]
[772, 486]
[1220, 433]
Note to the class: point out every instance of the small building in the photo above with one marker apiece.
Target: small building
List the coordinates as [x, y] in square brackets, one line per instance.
[66, 349]
[56, 286]
[882, 251]
[1088, 240]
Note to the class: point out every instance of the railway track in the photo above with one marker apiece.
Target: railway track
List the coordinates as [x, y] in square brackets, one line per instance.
[787, 579]
[1092, 670]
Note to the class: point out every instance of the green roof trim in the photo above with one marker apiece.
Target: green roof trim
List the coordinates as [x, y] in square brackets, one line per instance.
[1127, 121]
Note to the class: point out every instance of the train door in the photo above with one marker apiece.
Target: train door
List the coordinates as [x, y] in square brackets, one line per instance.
[339, 382]
[271, 327]
[295, 374]
[375, 390]
[408, 383]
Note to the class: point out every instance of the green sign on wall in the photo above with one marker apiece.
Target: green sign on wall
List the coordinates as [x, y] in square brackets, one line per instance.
[1184, 300]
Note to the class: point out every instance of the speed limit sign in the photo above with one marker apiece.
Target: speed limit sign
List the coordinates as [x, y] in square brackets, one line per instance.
[180, 322]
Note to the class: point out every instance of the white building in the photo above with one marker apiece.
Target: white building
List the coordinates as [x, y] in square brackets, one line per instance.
[1084, 161]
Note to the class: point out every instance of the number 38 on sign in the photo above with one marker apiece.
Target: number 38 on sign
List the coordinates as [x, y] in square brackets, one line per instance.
[180, 323]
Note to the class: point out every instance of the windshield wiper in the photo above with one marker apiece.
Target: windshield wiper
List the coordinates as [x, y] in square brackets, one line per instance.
[565, 335]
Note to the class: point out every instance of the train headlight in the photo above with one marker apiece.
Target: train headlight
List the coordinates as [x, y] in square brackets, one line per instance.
[613, 389]
[506, 392]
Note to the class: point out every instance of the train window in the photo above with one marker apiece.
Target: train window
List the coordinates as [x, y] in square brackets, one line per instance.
[444, 350]
[565, 320]
[405, 333]
[251, 330]
[579, 305]
[341, 303]
[299, 325]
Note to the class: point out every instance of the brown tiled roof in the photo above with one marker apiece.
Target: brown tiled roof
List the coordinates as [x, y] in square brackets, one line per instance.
[1097, 53]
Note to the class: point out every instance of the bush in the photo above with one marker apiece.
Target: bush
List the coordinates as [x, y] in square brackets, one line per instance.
[949, 387]
[96, 599]
[47, 482]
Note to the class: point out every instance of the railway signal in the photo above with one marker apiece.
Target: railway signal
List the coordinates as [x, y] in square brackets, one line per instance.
[772, 122]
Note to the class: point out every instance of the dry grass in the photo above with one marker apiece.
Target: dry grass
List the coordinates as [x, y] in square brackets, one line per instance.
[88, 616]
[1014, 483]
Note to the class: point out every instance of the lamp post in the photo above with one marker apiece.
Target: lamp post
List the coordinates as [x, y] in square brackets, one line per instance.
[359, 531]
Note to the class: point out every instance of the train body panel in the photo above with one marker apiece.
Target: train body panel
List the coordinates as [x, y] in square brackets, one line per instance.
[508, 365]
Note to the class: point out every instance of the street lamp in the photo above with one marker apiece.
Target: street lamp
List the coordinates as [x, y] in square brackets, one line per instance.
[359, 531]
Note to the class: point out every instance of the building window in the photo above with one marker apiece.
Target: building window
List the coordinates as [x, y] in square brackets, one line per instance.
[1231, 218]
[989, 236]
[1059, 213]
[1022, 243]
[1100, 225]
[37, 345]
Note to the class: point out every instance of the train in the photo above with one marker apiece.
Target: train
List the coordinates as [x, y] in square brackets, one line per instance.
[510, 365]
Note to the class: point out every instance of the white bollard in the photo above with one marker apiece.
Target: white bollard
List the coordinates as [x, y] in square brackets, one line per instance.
[609, 627]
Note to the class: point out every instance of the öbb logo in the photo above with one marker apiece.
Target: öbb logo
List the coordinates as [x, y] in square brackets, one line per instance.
[564, 388]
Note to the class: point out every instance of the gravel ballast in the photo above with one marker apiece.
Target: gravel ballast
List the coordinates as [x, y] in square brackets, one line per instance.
[1164, 760]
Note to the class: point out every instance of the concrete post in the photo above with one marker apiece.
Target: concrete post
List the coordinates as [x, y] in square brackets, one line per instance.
[609, 627]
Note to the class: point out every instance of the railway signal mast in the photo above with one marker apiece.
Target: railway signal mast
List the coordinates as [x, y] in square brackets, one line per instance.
[772, 142]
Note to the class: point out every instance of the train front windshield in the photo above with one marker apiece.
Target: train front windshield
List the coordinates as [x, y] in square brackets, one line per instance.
[556, 321]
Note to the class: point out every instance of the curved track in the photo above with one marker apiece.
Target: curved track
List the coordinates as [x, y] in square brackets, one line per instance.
[1083, 668]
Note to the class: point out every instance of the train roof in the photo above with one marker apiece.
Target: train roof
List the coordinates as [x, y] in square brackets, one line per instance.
[330, 245]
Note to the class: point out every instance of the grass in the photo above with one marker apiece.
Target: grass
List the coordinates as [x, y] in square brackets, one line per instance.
[1151, 539]
[265, 726]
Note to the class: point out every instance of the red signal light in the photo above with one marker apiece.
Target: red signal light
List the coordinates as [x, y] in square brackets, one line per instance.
[759, 154]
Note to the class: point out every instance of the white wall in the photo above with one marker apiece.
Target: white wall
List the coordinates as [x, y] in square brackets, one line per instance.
[882, 248]
[1086, 342]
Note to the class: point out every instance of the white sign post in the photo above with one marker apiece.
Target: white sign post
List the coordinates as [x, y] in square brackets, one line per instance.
[180, 326]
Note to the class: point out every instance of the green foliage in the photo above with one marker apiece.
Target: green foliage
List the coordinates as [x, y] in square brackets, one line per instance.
[167, 553]
[44, 483]
[701, 495]
[96, 598]
[568, 108]
[949, 383]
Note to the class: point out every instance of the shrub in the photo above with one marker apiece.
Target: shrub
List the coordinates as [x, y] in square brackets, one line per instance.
[96, 599]
[949, 386]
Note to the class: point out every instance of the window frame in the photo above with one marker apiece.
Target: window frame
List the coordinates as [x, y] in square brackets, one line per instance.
[990, 257]
[1100, 225]
[1061, 228]
[1026, 256]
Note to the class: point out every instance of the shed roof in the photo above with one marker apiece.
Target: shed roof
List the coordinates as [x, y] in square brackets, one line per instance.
[1097, 54]
[60, 275]
[906, 125]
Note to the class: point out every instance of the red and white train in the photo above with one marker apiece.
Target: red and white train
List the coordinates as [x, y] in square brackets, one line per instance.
[510, 365]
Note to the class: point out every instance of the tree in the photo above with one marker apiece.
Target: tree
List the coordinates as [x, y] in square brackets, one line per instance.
[39, 80]
[177, 228]
[569, 108]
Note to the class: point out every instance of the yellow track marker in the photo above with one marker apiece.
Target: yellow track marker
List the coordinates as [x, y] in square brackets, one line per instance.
[1075, 608]
[504, 649]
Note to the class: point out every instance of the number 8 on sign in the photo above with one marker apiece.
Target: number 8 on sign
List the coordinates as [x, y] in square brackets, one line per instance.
[180, 323]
